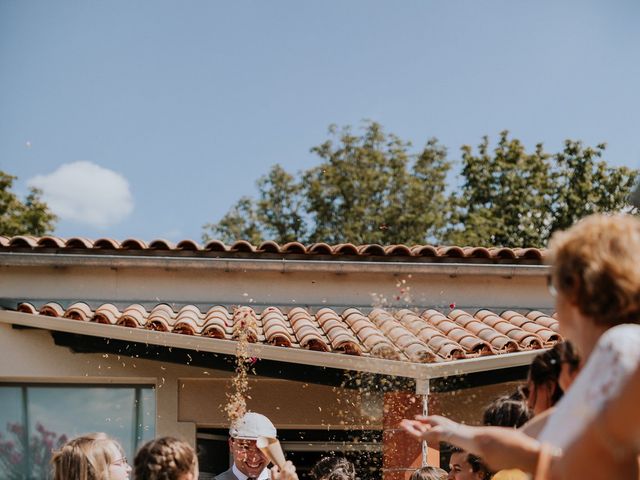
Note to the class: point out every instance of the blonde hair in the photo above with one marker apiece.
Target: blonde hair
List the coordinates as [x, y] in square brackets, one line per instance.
[596, 265]
[165, 458]
[429, 473]
[84, 458]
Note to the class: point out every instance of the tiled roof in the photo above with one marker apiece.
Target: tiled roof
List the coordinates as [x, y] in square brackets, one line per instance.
[190, 247]
[424, 337]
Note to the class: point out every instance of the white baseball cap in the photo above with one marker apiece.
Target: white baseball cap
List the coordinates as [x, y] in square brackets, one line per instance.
[252, 426]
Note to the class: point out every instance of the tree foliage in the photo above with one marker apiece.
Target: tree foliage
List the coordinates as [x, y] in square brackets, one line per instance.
[28, 217]
[371, 188]
[513, 198]
[368, 188]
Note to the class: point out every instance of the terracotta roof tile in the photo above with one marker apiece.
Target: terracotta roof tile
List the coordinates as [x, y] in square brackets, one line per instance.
[406, 335]
[79, 242]
[426, 252]
[107, 244]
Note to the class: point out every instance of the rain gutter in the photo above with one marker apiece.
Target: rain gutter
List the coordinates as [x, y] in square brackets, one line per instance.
[419, 371]
[58, 260]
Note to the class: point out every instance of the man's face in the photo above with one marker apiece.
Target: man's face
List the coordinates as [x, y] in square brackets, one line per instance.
[460, 469]
[247, 456]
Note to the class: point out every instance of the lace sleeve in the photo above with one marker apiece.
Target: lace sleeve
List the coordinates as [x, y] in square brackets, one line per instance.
[614, 359]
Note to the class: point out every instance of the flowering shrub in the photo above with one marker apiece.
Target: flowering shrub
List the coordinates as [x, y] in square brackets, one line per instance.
[24, 458]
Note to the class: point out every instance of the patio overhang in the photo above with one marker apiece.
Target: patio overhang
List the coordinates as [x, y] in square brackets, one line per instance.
[421, 373]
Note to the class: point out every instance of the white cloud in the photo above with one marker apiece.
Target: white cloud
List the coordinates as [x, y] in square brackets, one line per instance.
[86, 193]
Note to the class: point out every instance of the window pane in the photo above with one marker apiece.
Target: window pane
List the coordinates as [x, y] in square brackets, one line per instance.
[54, 414]
[75, 411]
[147, 416]
[12, 437]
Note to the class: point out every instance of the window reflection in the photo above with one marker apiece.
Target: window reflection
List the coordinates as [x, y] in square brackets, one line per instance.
[53, 414]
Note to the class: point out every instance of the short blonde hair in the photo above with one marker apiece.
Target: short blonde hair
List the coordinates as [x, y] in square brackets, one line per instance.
[596, 265]
[429, 473]
[165, 458]
[84, 458]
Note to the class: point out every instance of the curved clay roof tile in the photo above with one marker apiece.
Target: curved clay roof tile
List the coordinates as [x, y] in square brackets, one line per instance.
[424, 251]
[384, 350]
[51, 242]
[320, 248]
[345, 249]
[294, 247]
[502, 252]
[185, 326]
[26, 307]
[106, 313]
[372, 249]
[161, 244]
[157, 325]
[23, 241]
[213, 330]
[452, 251]
[269, 247]
[216, 323]
[242, 246]
[344, 343]
[188, 245]
[4, 241]
[133, 316]
[545, 320]
[476, 252]
[398, 251]
[106, 244]
[530, 253]
[133, 244]
[215, 246]
[163, 307]
[419, 352]
[52, 309]
[79, 311]
[190, 308]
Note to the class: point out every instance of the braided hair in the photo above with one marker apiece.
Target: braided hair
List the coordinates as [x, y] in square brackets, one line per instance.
[165, 458]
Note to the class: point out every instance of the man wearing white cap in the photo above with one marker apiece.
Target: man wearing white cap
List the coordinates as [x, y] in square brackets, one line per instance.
[249, 463]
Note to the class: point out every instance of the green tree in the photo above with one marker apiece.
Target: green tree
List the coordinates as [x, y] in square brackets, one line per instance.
[513, 198]
[368, 188]
[31, 217]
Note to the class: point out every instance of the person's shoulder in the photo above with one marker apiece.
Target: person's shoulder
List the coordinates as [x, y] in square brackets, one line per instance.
[617, 348]
[226, 475]
[620, 337]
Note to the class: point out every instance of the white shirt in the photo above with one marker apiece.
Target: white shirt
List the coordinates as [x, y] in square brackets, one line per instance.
[614, 358]
[264, 474]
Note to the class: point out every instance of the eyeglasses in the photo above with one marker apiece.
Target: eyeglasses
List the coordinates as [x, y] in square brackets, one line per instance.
[552, 288]
[120, 462]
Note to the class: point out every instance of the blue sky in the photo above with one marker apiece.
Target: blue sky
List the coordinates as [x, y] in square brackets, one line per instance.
[149, 118]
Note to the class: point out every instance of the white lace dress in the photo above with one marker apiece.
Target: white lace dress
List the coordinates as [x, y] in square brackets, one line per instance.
[615, 357]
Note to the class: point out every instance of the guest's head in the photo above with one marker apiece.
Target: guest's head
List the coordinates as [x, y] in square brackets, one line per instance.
[166, 458]
[569, 365]
[429, 473]
[465, 466]
[90, 457]
[543, 391]
[333, 468]
[507, 412]
[242, 443]
[595, 276]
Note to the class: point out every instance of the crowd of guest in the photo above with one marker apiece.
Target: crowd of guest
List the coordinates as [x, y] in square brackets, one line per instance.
[582, 395]
[580, 399]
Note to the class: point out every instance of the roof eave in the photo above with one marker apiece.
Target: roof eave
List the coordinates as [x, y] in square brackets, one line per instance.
[265, 265]
[341, 361]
